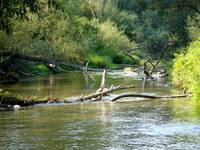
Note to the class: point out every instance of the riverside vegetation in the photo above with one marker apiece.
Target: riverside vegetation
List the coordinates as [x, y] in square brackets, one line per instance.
[101, 32]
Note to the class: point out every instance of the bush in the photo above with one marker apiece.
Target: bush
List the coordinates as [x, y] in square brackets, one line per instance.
[49, 38]
[110, 41]
[112, 38]
[186, 69]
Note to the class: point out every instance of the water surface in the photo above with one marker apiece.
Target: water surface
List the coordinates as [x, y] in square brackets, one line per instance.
[77, 83]
[150, 124]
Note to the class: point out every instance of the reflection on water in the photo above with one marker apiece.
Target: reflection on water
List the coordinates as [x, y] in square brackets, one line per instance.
[52, 85]
[76, 83]
[157, 124]
[152, 124]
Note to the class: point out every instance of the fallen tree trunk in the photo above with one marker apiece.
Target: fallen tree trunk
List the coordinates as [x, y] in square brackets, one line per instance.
[147, 96]
[52, 64]
[26, 74]
[80, 67]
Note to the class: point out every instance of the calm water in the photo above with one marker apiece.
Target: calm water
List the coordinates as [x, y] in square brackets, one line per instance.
[150, 124]
[76, 83]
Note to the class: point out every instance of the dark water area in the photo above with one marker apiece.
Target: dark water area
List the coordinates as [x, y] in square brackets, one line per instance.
[126, 125]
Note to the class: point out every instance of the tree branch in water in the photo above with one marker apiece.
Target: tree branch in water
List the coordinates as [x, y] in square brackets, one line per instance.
[147, 96]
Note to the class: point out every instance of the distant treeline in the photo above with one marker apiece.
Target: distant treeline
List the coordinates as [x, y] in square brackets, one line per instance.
[96, 30]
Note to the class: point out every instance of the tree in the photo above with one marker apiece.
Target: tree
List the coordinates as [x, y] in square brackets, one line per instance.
[14, 8]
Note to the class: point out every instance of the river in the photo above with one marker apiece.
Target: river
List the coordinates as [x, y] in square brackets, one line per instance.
[124, 125]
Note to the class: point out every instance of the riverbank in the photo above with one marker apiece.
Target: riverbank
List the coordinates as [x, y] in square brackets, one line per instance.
[19, 67]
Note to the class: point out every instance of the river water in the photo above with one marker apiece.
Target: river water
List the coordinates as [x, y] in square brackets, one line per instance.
[124, 125]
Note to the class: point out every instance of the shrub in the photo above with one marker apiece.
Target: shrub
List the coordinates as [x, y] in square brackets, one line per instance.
[111, 37]
[110, 41]
[186, 69]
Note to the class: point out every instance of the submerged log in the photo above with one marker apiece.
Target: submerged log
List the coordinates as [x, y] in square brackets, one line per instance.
[147, 96]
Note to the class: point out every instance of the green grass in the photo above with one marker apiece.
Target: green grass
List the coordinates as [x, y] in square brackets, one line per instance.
[100, 61]
[112, 61]
[35, 68]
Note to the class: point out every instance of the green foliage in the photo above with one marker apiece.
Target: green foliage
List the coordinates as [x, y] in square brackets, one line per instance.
[100, 61]
[5, 42]
[8, 97]
[70, 30]
[123, 59]
[14, 8]
[111, 37]
[193, 26]
[110, 41]
[186, 73]
[37, 69]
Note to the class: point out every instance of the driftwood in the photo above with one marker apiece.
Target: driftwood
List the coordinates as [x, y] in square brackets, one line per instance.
[160, 57]
[86, 72]
[103, 90]
[148, 73]
[147, 96]
[103, 80]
